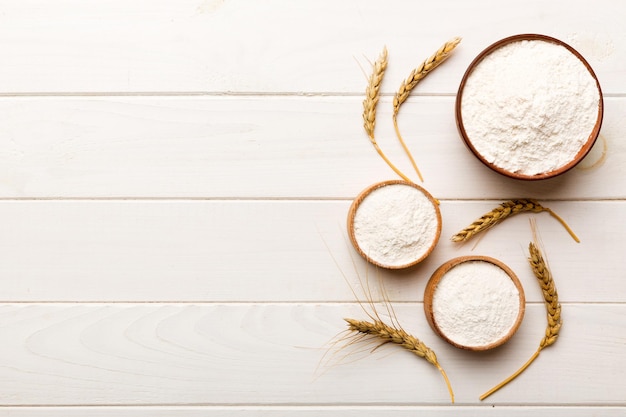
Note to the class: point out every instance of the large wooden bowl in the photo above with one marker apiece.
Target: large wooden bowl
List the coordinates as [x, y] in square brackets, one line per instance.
[584, 150]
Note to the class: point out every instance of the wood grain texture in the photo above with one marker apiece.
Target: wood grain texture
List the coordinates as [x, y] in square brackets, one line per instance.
[313, 411]
[174, 184]
[275, 47]
[261, 147]
[261, 354]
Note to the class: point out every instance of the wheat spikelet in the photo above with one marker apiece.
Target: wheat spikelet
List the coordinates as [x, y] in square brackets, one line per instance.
[422, 71]
[377, 329]
[409, 84]
[553, 310]
[504, 211]
[550, 296]
[390, 334]
[372, 95]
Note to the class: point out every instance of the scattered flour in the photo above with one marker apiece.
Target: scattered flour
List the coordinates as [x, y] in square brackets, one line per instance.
[475, 303]
[529, 106]
[395, 225]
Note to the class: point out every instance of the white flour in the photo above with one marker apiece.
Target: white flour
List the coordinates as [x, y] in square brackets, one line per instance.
[475, 304]
[529, 106]
[395, 225]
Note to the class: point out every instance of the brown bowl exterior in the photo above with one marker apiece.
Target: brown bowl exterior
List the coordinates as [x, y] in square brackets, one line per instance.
[431, 287]
[584, 149]
[355, 205]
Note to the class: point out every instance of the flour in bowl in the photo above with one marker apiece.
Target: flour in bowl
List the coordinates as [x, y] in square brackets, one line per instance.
[529, 106]
[475, 304]
[396, 225]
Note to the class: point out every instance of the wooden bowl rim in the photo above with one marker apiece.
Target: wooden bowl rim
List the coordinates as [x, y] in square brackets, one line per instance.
[367, 191]
[436, 277]
[584, 150]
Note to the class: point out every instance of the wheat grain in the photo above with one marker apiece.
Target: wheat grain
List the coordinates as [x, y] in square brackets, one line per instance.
[390, 334]
[550, 296]
[377, 329]
[504, 211]
[553, 311]
[409, 84]
[422, 71]
[372, 95]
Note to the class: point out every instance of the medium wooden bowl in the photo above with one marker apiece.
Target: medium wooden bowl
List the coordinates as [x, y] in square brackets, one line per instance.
[431, 289]
[584, 150]
[366, 253]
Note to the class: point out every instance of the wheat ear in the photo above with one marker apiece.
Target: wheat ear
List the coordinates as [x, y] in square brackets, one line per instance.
[553, 308]
[377, 329]
[409, 84]
[504, 211]
[372, 95]
[389, 334]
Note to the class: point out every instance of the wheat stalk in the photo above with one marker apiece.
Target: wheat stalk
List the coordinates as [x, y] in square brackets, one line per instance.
[372, 95]
[391, 334]
[550, 296]
[409, 84]
[553, 309]
[504, 211]
[376, 328]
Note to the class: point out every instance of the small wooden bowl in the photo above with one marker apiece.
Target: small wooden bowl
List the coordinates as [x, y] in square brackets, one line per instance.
[584, 150]
[369, 253]
[431, 289]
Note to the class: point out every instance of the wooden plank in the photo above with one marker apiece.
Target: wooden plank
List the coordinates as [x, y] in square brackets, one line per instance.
[271, 251]
[261, 354]
[261, 147]
[219, 46]
[324, 411]
[174, 178]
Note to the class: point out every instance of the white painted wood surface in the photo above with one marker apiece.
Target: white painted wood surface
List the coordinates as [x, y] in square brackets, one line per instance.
[174, 183]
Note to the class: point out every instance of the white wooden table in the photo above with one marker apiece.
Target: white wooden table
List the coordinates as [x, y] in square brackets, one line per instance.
[175, 176]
